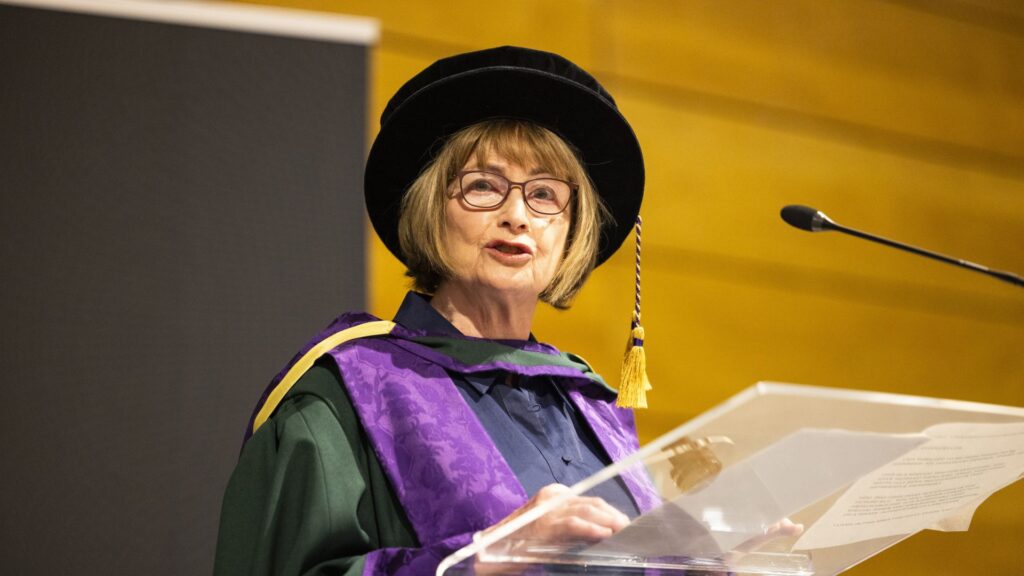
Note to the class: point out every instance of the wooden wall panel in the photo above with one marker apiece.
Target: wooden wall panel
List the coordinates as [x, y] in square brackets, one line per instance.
[877, 64]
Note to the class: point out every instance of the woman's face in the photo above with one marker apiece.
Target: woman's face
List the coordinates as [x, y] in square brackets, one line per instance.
[511, 248]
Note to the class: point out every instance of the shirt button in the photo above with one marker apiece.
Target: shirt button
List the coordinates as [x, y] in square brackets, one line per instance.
[533, 407]
[566, 458]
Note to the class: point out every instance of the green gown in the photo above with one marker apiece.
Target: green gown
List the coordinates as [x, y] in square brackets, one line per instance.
[308, 495]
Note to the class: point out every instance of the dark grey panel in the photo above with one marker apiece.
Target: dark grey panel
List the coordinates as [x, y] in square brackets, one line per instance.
[181, 209]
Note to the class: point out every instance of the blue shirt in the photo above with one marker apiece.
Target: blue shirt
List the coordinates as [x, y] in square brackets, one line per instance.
[530, 420]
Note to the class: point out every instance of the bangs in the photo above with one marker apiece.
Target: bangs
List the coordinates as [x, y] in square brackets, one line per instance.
[527, 145]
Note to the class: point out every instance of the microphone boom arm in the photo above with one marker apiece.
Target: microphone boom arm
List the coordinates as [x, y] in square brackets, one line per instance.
[811, 220]
[1000, 274]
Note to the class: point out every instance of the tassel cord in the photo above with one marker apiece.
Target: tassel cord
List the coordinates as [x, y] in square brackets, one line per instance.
[634, 384]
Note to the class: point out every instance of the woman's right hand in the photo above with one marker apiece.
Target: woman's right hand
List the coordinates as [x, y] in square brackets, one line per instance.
[578, 518]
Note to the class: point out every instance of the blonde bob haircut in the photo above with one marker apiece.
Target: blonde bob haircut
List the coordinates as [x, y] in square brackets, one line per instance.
[421, 226]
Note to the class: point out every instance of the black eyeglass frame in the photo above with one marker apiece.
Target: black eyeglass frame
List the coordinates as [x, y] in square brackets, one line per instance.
[573, 189]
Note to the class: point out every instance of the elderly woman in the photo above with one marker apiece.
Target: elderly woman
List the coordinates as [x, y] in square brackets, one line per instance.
[500, 178]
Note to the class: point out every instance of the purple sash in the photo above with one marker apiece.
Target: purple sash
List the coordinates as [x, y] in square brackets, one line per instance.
[448, 475]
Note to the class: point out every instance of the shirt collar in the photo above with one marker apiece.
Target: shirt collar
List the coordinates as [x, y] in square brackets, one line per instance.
[416, 313]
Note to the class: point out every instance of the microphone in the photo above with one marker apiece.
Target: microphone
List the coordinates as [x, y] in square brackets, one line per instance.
[812, 220]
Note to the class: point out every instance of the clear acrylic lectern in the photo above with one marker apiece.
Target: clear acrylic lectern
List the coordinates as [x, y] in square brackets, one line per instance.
[780, 479]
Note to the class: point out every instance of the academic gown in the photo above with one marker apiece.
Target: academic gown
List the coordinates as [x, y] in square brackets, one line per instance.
[314, 491]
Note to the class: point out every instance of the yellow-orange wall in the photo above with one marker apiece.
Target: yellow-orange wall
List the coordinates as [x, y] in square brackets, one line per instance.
[901, 117]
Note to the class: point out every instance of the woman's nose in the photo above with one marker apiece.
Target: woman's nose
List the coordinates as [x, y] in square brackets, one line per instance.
[514, 212]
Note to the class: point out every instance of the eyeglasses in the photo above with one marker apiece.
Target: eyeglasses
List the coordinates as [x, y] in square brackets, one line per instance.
[482, 189]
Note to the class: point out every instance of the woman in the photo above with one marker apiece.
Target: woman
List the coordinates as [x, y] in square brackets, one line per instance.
[500, 178]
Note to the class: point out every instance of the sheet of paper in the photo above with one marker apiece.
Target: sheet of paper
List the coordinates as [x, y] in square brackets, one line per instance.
[749, 496]
[939, 484]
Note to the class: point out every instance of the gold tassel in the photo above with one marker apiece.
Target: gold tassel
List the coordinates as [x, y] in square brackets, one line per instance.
[633, 382]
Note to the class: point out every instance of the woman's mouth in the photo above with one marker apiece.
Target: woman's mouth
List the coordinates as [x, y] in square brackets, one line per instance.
[509, 252]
